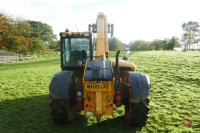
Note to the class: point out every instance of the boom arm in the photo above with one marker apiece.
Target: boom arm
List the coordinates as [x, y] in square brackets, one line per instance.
[102, 48]
[102, 29]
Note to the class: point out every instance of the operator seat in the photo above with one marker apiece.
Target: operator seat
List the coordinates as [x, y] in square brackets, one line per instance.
[75, 58]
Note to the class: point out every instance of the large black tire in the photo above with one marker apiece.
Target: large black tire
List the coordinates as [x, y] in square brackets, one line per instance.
[137, 113]
[62, 111]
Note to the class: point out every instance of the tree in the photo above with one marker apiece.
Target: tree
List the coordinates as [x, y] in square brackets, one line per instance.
[43, 32]
[115, 44]
[157, 44]
[22, 36]
[173, 42]
[191, 34]
[165, 43]
[17, 36]
[139, 45]
[5, 27]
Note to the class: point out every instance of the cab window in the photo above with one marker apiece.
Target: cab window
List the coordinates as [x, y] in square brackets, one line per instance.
[75, 51]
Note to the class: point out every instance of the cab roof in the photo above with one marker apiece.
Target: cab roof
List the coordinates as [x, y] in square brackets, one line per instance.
[75, 34]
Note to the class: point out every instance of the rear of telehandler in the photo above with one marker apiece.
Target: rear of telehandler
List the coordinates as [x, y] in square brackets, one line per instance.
[90, 81]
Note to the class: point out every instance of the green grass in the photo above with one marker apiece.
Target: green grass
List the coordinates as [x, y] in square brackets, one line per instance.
[175, 96]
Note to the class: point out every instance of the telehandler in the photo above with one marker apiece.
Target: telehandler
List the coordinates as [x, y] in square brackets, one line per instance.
[92, 82]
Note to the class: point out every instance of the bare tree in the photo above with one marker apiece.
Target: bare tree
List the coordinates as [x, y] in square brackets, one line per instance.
[191, 34]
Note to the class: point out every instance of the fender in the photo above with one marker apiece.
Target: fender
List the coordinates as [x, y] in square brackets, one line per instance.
[60, 85]
[140, 87]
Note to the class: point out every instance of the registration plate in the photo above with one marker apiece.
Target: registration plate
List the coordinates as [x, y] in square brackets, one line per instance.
[98, 86]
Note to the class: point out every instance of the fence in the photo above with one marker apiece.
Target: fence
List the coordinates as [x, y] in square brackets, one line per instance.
[9, 58]
[6, 56]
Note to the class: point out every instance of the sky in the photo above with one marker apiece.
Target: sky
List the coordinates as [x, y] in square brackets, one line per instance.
[132, 19]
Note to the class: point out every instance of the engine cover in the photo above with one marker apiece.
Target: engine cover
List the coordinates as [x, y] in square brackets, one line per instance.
[98, 70]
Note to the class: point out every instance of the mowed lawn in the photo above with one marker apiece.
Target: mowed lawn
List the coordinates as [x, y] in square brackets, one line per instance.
[175, 96]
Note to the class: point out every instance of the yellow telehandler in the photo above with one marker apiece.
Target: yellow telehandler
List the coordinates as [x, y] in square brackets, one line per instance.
[92, 82]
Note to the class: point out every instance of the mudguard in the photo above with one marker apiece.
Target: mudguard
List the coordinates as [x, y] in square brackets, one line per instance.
[60, 85]
[140, 87]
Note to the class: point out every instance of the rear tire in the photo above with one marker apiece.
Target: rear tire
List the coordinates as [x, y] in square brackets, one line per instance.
[61, 110]
[137, 113]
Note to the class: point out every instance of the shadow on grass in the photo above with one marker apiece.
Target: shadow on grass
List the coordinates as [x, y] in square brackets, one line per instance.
[32, 115]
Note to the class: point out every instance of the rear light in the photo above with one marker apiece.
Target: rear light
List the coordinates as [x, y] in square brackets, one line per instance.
[79, 99]
[118, 103]
[86, 105]
[118, 95]
[79, 103]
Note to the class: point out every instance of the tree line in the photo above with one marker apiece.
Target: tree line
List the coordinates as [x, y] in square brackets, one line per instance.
[25, 36]
[190, 40]
[29, 36]
[142, 45]
[166, 44]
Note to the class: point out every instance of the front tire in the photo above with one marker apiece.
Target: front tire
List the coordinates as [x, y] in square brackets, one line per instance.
[62, 111]
[137, 113]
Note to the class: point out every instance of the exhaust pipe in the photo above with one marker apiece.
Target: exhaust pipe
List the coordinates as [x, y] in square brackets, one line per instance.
[118, 93]
[117, 70]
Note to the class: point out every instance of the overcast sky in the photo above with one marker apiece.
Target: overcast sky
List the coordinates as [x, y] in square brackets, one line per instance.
[132, 19]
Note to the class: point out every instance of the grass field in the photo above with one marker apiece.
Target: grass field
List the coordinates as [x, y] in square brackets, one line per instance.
[175, 96]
